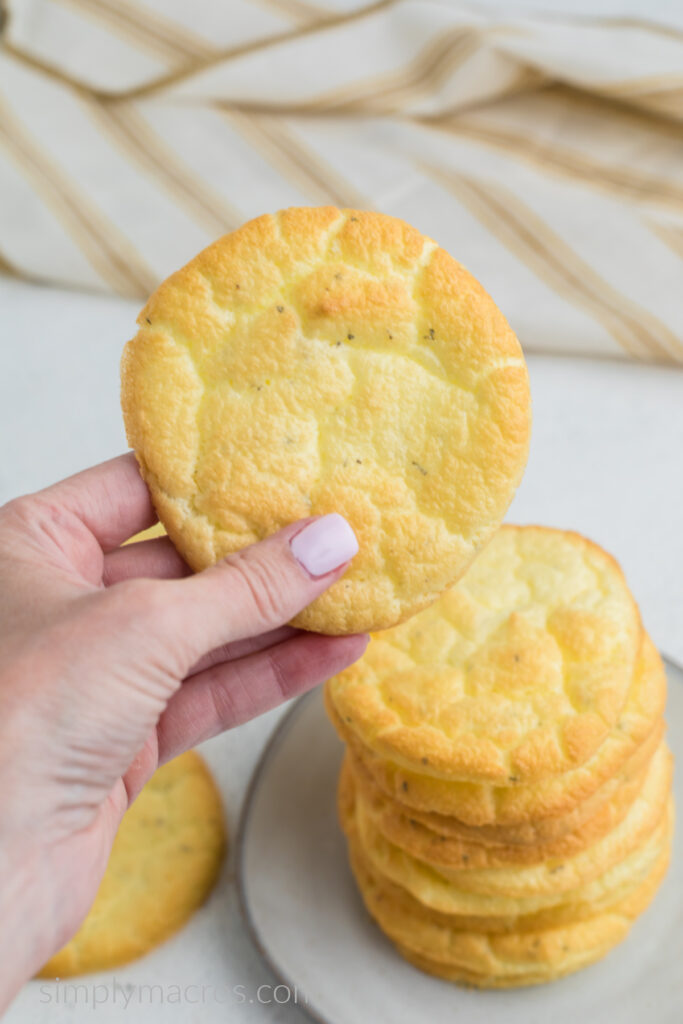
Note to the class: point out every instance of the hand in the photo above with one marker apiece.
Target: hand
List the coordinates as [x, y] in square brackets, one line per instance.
[115, 659]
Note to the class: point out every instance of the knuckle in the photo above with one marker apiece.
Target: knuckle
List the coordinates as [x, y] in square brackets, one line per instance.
[40, 515]
[280, 678]
[21, 511]
[258, 584]
[223, 705]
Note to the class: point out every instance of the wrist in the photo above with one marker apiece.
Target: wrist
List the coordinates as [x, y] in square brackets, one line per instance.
[26, 922]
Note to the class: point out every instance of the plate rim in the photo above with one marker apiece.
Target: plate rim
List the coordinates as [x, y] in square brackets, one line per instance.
[278, 733]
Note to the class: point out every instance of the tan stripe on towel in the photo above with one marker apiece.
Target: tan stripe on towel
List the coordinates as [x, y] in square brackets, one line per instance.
[235, 52]
[108, 252]
[144, 28]
[670, 234]
[616, 179]
[388, 92]
[132, 133]
[637, 331]
[297, 10]
[295, 161]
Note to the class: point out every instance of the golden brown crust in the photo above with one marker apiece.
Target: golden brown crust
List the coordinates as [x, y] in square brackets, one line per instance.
[544, 879]
[165, 860]
[328, 360]
[406, 831]
[517, 673]
[568, 911]
[539, 831]
[481, 804]
[539, 950]
[441, 899]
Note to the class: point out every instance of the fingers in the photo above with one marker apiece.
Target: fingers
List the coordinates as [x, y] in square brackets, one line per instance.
[111, 499]
[255, 590]
[151, 559]
[229, 694]
[241, 648]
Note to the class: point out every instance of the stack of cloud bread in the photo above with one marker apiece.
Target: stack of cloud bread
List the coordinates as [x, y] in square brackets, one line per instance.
[506, 788]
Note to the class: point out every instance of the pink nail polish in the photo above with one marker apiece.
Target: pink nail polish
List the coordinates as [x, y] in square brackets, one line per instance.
[324, 544]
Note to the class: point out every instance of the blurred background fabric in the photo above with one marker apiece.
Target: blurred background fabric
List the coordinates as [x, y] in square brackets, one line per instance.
[541, 143]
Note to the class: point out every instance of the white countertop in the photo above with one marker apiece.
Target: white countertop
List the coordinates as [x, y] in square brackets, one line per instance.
[606, 459]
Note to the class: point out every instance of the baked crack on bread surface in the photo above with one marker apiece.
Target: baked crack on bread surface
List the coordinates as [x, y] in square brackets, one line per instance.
[324, 360]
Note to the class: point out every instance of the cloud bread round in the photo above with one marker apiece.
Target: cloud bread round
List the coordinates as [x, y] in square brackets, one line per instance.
[163, 865]
[325, 360]
[431, 888]
[518, 672]
[543, 950]
[513, 802]
[534, 831]
[400, 827]
[448, 895]
[616, 887]
[548, 877]
[532, 958]
[549, 829]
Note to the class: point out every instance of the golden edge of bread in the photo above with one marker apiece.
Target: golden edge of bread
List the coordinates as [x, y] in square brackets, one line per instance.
[564, 740]
[267, 268]
[542, 946]
[402, 827]
[482, 804]
[546, 878]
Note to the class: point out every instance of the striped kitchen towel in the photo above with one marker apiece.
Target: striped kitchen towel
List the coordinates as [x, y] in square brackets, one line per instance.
[540, 142]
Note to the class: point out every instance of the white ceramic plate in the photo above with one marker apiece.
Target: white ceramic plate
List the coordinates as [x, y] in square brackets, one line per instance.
[304, 914]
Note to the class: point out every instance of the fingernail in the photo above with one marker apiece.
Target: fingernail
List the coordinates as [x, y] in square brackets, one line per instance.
[324, 545]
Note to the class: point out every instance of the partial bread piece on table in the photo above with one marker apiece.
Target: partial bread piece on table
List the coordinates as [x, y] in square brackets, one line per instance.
[164, 863]
[325, 360]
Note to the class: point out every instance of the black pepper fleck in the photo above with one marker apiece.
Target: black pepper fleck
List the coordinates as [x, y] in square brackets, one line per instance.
[421, 468]
[148, 320]
[404, 787]
[350, 337]
[280, 309]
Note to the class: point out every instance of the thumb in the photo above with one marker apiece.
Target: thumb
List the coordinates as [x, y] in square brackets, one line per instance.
[257, 589]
